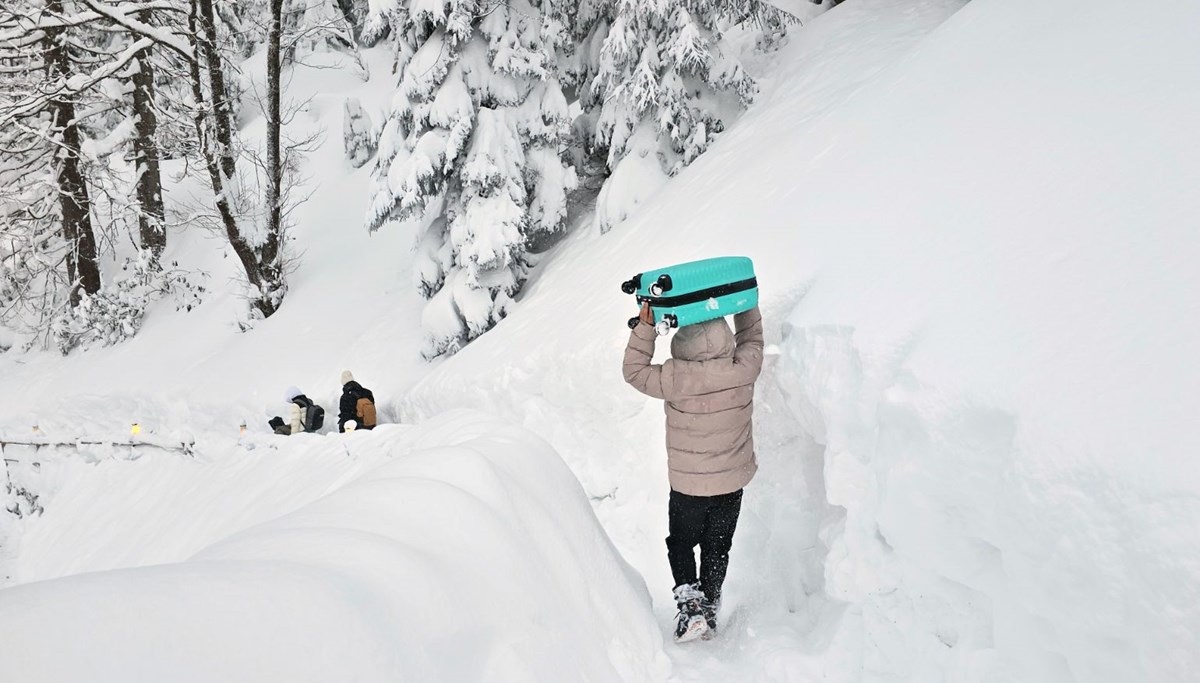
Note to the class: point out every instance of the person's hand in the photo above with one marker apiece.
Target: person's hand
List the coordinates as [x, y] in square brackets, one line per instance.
[647, 315]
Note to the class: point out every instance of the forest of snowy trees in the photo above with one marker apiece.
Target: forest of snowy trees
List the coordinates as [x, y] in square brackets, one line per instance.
[505, 112]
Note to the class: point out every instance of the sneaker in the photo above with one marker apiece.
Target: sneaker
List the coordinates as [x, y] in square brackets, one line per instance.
[690, 622]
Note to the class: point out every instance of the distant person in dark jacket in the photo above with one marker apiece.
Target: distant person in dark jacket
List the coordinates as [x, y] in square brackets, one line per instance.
[357, 405]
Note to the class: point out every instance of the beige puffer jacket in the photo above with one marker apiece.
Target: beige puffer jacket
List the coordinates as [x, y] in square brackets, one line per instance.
[708, 386]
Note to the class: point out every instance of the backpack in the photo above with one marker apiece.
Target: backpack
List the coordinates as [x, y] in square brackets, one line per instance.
[366, 412]
[314, 415]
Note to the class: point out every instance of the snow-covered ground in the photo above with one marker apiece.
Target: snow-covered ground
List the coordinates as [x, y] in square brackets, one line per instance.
[459, 550]
[974, 231]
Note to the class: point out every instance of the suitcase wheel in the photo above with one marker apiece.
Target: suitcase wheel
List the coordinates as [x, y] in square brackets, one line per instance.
[632, 285]
[664, 326]
[633, 322]
[661, 285]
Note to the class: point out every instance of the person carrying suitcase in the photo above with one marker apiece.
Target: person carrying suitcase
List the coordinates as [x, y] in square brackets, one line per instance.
[708, 389]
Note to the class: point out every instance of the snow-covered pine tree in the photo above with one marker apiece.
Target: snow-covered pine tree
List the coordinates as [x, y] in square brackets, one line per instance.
[657, 80]
[472, 152]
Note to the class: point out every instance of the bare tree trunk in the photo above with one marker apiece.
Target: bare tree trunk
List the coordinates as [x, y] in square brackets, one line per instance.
[274, 217]
[265, 275]
[74, 200]
[152, 218]
[222, 114]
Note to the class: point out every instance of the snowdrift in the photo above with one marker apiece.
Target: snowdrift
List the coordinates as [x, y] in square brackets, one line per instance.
[469, 554]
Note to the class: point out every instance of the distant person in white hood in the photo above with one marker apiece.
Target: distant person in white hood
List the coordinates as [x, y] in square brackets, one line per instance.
[303, 414]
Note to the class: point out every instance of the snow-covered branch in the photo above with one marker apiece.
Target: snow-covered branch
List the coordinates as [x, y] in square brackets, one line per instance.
[74, 85]
[122, 16]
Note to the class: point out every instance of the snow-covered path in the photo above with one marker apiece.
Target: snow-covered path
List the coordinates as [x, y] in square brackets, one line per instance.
[780, 624]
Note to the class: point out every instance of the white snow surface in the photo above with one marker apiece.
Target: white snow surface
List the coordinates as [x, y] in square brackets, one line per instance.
[975, 235]
[459, 550]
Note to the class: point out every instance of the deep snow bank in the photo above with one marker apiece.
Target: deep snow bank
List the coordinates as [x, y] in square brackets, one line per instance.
[998, 346]
[468, 555]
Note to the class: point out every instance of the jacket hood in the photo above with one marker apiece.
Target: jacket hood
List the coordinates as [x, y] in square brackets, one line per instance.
[703, 341]
[291, 393]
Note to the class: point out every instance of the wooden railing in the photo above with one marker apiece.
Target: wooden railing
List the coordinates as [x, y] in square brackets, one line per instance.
[38, 441]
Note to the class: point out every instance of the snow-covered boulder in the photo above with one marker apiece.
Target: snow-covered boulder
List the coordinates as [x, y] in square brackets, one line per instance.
[358, 135]
[636, 179]
[470, 554]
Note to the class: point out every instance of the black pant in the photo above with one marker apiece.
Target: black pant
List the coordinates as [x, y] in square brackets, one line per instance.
[707, 521]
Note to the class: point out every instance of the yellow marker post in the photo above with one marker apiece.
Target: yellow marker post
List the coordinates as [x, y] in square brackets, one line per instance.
[135, 429]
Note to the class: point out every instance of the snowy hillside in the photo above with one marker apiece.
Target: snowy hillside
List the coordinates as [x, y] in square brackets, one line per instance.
[974, 231]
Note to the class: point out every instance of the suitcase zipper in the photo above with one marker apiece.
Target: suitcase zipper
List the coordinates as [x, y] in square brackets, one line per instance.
[699, 295]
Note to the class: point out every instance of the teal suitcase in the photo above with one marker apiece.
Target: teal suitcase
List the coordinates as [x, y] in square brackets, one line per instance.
[695, 292]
